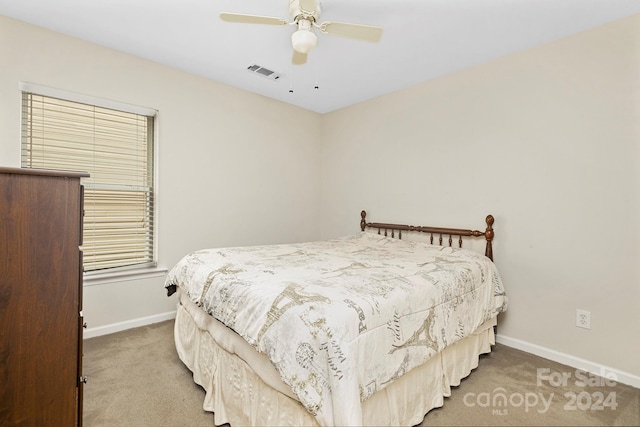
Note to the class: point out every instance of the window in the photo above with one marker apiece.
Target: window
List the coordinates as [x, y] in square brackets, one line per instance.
[116, 147]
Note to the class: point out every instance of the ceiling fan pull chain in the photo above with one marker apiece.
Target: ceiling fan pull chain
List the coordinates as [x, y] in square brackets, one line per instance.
[317, 60]
[291, 80]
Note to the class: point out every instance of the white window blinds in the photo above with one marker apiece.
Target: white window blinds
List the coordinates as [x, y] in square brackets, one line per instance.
[116, 148]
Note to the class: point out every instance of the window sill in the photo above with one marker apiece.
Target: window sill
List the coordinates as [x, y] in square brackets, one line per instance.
[91, 279]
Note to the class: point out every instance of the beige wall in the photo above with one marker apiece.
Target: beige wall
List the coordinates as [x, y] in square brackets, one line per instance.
[548, 142]
[226, 156]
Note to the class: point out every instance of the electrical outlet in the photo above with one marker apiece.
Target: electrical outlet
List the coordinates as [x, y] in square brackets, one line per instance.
[583, 319]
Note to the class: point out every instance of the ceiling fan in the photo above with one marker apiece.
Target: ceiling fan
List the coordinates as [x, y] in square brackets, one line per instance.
[305, 15]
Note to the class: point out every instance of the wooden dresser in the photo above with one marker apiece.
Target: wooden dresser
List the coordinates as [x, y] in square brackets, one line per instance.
[40, 297]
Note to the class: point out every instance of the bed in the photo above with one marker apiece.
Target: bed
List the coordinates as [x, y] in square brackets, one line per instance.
[368, 329]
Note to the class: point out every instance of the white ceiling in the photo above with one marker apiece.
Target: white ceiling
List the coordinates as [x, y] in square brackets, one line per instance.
[422, 39]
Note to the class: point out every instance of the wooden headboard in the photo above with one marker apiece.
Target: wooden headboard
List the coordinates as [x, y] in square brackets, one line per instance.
[458, 232]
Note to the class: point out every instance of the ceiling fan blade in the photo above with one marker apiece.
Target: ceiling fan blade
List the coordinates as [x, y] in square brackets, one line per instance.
[355, 31]
[252, 19]
[298, 58]
[308, 5]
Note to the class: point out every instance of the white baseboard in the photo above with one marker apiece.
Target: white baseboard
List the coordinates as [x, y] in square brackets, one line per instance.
[128, 324]
[567, 359]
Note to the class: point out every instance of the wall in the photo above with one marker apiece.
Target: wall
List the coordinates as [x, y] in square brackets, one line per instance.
[547, 141]
[232, 169]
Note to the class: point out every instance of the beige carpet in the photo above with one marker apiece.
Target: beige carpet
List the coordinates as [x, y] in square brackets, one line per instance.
[136, 379]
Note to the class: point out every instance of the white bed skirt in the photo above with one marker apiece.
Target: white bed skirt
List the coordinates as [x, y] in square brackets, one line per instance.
[244, 389]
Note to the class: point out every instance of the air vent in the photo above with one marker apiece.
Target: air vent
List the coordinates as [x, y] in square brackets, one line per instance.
[264, 72]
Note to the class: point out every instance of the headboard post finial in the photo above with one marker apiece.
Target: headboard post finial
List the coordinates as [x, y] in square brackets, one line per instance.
[363, 222]
[489, 236]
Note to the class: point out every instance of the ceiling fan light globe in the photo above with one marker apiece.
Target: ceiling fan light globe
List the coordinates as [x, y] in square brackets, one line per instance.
[303, 41]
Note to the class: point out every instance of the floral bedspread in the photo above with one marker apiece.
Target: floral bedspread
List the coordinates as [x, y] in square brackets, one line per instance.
[340, 319]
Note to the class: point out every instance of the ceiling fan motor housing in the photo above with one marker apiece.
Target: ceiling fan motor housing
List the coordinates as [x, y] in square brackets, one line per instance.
[297, 13]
